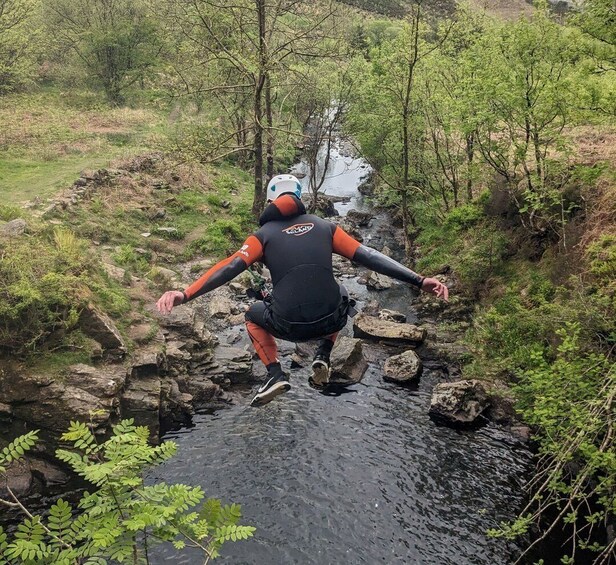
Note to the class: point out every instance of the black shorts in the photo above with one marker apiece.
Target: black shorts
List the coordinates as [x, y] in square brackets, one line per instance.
[261, 314]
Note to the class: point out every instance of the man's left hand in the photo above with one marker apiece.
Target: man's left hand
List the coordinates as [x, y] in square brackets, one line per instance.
[436, 287]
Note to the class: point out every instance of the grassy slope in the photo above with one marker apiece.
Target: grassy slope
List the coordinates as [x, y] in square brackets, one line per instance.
[49, 136]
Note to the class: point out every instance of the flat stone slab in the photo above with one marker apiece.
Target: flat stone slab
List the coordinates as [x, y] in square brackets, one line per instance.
[370, 327]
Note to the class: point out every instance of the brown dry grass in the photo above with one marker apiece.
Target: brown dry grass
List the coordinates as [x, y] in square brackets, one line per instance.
[594, 144]
[504, 9]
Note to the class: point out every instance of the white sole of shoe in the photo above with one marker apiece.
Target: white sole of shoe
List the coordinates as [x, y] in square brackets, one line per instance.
[262, 398]
[320, 373]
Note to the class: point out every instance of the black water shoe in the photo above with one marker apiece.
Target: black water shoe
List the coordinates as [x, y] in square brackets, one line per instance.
[275, 385]
[320, 371]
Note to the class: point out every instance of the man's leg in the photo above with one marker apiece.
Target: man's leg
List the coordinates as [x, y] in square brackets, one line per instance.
[320, 364]
[265, 346]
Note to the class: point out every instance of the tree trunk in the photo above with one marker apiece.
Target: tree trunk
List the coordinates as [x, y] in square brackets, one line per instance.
[269, 149]
[470, 153]
[259, 196]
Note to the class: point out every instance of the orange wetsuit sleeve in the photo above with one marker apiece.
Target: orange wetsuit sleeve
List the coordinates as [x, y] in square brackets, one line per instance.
[344, 244]
[227, 269]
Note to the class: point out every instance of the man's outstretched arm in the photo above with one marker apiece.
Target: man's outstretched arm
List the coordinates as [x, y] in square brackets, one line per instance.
[219, 274]
[345, 245]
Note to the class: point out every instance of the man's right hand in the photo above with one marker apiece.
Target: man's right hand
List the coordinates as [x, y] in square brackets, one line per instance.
[168, 300]
[436, 287]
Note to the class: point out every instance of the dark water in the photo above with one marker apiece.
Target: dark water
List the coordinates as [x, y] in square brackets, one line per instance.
[365, 477]
[362, 477]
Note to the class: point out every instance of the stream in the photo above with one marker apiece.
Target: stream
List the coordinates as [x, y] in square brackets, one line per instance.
[360, 476]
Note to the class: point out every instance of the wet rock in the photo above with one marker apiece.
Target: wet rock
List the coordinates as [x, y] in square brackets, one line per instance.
[220, 306]
[392, 316]
[371, 308]
[361, 219]
[459, 403]
[228, 366]
[373, 328]
[148, 361]
[348, 363]
[99, 326]
[376, 281]
[103, 382]
[402, 368]
[202, 389]
[175, 405]
[14, 228]
[368, 184]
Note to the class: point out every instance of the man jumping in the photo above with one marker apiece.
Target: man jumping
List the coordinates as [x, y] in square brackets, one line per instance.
[306, 302]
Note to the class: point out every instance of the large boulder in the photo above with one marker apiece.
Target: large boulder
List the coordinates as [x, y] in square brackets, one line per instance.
[221, 306]
[100, 327]
[459, 403]
[183, 321]
[202, 389]
[361, 219]
[373, 328]
[347, 361]
[403, 368]
[376, 281]
[14, 228]
[228, 366]
[84, 393]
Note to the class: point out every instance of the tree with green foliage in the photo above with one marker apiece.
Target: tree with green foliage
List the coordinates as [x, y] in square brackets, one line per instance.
[115, 40]
[523, 94]
[124, 516]
[18, 38]
[252, 50]
[386, 118]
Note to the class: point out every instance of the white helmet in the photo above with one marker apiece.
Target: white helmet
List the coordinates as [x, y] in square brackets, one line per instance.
[281, 184]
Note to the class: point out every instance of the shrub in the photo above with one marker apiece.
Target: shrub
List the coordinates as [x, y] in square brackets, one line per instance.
[8, 213]
[570, 402]
[44, 284]
[122, 516]
[464, 216]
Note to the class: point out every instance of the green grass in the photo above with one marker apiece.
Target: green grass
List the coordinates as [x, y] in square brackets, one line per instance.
[23, 179]
[49, 137]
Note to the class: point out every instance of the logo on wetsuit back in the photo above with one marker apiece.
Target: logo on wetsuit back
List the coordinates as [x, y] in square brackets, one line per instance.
[298, 229]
